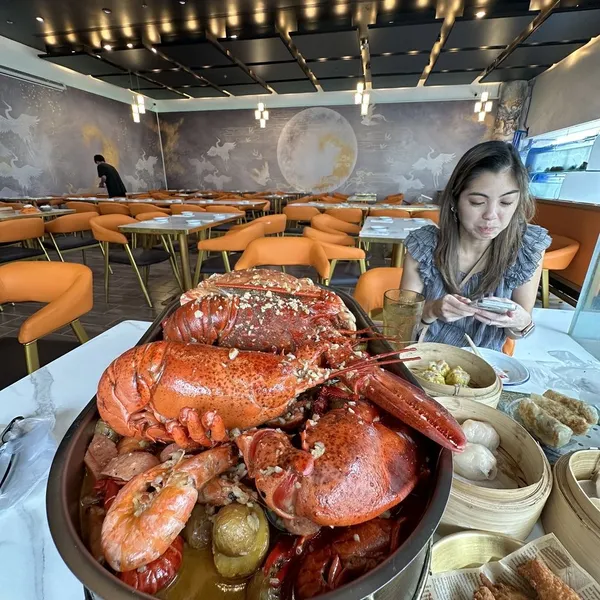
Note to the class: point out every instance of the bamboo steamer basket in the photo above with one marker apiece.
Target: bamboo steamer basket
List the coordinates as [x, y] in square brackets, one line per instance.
[564, 517]
[511, 512]
[487, 385]
[471, 549]
[583, 464]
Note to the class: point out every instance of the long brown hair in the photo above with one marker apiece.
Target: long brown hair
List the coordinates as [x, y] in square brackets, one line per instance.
[494, 157]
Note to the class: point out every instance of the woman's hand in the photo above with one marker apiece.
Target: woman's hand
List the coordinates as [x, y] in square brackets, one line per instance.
[514, 319]
[450, 308]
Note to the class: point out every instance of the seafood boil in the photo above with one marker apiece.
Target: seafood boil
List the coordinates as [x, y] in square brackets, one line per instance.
[258, 422]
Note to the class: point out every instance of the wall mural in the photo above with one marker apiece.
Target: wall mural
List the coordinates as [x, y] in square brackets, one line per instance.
[48, 139]
[409, 148]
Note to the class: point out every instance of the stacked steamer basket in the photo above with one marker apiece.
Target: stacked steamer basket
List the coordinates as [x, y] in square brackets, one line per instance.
[485, 386]
[512, 512]
[570, 514]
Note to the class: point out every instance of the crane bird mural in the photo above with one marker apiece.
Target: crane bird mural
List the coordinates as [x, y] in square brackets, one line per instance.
[434, 165]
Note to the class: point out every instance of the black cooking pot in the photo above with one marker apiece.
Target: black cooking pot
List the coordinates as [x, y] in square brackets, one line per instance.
[400, 577]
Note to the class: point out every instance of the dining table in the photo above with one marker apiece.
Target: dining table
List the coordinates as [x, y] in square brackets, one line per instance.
[239, 203]
[180, 226]
[366, 206]
[391, 230]
[31, 567]
[9, 215]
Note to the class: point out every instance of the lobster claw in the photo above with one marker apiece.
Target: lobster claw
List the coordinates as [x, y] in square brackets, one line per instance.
[411, 405]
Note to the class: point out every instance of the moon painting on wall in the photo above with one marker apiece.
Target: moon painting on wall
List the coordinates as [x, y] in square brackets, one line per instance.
[317, 150]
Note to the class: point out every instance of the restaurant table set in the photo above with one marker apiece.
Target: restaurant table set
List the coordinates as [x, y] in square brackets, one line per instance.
[391, 230]
[8, 214]
[366, 206]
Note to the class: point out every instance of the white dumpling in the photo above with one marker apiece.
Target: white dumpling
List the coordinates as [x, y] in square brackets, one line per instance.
[478, 432]
[476, 463]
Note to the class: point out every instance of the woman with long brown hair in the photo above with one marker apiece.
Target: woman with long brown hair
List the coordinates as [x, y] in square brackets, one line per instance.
[484, 247]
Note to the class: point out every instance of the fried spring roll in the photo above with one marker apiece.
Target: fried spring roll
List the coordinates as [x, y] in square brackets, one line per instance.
[589, 413]
[564, 414]
[547, 585]
[547, 429]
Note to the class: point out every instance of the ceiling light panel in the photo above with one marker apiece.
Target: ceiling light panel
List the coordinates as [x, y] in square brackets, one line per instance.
[260, 50]
[139, 59]
[403, 38]
[333, 44]
[197, 55]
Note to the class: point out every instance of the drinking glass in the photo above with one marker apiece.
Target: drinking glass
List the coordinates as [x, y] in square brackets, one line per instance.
[402, 310]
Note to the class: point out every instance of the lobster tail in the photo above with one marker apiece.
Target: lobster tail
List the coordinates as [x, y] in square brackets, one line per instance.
[413, 406]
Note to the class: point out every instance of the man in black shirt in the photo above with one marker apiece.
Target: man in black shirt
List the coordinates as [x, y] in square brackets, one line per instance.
[109, 178]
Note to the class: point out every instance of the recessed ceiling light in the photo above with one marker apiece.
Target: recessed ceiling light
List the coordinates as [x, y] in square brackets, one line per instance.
[107, 11]
[97, 56]
[233, 37]
[40, 19]
[153, 50]
[480, 14]
[107, 47]
[9, 22]
[181, 1]
[130, 45]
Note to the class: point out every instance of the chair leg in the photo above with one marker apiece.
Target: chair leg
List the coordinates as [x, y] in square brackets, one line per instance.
[283, 269]
[83, 256]
[79, 331]
[363, 265]
[332, 269]
[545, 288]
[226, 261]
[41, 243]
[198, 268]
[106, 269]
[101, 246]
[56, 248]
[32, 358]
[171, 252]
[146, 272]
[138, 274]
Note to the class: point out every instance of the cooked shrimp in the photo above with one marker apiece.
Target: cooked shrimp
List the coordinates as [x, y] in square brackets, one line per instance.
[154, 507]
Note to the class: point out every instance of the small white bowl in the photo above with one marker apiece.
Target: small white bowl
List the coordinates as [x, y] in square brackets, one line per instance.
[187, 213]
[161, 219]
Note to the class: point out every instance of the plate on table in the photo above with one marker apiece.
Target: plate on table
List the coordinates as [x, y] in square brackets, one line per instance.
[161, 219]
[510, 370]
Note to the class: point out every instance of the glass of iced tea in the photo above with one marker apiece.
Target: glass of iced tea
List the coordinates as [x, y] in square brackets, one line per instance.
[402, 310]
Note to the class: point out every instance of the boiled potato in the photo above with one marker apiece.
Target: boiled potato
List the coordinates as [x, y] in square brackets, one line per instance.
[198, 530]
[240, 540]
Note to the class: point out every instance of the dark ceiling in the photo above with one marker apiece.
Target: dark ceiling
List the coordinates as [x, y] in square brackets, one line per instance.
[178, 48]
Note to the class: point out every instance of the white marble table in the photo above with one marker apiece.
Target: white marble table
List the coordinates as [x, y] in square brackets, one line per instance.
[391, 230]
[30, 566]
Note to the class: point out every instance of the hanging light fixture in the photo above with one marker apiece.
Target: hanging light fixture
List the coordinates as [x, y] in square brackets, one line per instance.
[141, 104]
[483, 106]
[261, 114]
[135, 111]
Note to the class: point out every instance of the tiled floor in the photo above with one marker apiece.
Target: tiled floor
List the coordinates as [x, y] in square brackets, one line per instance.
[126, 299]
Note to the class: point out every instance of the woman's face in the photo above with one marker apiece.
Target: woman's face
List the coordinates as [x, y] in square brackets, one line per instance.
[488, 203]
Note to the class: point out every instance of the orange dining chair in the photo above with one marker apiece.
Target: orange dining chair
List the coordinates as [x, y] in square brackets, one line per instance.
[113, 208]
[351, 258]
[177, 209]
[286, 251]
[341, 239]
[558, 256]
[141, 208]
[350, 215]
[222, 208]
[331, 200]
[148, 216]
[30, 232]
[389, 212]
[394, 199]
[274, 224]
[373, 284]
[105, 229]
[62, 233]
[433, 215]
[296, 215]
[330, 224]
[232, 241]
[341, 196]
[65, 288]
[82, 207]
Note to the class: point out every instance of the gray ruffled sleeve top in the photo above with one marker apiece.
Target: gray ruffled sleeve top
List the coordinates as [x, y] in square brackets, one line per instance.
[421, 244]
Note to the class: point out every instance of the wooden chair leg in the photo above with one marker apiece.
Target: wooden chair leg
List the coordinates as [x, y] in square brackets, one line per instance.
[138, 275]
[79, 331]
[545, 288]
[32, 358]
